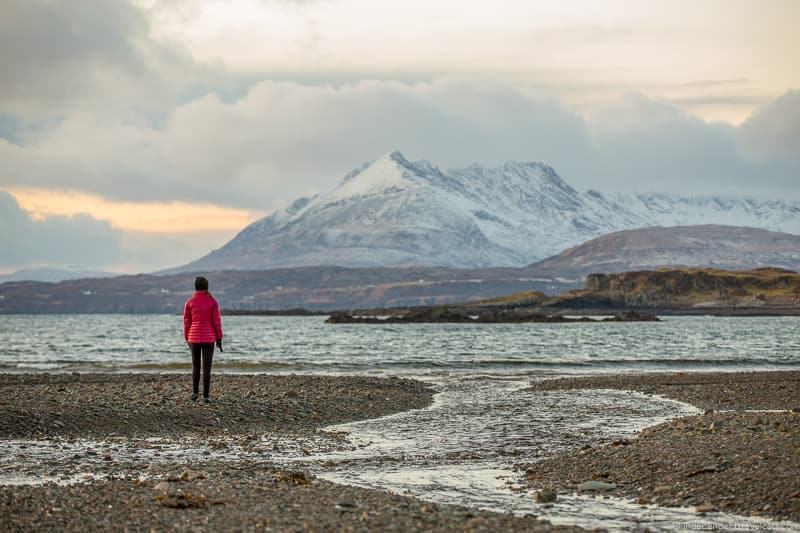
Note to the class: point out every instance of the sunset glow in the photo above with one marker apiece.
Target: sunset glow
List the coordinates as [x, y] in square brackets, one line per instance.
[172, 217]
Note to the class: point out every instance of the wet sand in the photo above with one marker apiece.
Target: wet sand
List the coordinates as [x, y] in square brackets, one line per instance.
[206, 493]
[727, 459]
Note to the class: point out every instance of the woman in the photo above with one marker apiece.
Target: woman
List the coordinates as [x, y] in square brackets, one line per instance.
[202, 328]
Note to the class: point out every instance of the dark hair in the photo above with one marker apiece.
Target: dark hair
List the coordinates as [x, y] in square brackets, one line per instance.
[200, 283]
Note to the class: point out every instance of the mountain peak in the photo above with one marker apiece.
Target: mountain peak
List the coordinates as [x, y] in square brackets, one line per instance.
[397, 157]
[396, 212]
[391, 172]
[539, 171]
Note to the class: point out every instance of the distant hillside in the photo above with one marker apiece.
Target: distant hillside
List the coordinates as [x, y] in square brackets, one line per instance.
[53, 275]
[314, 288]
[773, 291]
[687, 289]
[630, 296]
[713, 246]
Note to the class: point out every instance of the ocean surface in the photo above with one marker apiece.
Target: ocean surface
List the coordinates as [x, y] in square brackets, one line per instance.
[467, 446]
[31, 343]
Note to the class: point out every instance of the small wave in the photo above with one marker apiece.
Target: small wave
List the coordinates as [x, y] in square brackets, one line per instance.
[230, 365]
[586, 363]
[415, 365]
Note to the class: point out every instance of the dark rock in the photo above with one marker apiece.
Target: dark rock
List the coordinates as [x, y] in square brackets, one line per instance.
[546, 495]
[485, 316]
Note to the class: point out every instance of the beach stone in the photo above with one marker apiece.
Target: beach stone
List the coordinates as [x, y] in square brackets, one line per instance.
[705, 508]
[591, 486]
[162, 486]
[662, 488]
[345, 505]
[191, 475]
[546, 495]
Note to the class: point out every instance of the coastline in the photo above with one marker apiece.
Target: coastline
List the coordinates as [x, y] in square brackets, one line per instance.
[729, 459]
[141, 489]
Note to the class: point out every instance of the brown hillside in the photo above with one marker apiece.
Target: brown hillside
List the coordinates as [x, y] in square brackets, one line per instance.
[707, 246]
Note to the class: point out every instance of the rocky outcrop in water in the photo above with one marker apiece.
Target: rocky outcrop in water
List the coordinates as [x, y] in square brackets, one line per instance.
[504, 316]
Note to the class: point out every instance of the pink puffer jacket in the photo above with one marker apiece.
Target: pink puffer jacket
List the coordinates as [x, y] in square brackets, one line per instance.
[201, 322]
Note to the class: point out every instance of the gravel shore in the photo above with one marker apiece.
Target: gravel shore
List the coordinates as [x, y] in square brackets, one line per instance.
[735, 461]
[140, 488]
[727, 459]
[149, 405]
[706, 390]
[237, 497]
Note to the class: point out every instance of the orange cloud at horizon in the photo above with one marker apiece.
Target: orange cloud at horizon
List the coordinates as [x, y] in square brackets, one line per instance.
[150, 217]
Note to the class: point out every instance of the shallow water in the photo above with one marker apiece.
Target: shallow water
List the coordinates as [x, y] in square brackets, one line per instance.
[463, 450]
[307, 344]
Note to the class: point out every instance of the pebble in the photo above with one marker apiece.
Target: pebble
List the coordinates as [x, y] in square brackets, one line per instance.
[705, 508]
[546, 495]
[592, 485]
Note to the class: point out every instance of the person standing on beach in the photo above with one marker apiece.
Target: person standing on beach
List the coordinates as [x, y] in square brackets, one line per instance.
[202, 328]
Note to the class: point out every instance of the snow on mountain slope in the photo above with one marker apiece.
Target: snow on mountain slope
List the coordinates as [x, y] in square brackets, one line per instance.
[393, 212]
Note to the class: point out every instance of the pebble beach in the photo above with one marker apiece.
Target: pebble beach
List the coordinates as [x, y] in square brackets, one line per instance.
[741, 456]
[137, 491]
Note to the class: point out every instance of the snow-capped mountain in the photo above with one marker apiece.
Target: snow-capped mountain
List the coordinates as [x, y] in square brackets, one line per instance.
[393, 212]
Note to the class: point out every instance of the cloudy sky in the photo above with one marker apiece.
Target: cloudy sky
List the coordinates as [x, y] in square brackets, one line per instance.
[137, 135]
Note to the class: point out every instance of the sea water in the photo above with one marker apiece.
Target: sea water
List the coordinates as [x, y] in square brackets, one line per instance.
[308, 345]
[468, 446]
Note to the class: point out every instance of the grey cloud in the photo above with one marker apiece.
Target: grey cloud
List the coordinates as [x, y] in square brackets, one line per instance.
[91, 56]
[303, 137]
[707, 83]
[646, 145]
[284, 139]
[281, 140]
[149, 252]
[719, 99]
[78, 240]
[773, 131]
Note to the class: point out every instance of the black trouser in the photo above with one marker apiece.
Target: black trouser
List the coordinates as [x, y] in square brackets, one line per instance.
[207, 351]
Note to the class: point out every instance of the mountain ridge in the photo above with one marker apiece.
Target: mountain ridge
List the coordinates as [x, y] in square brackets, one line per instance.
[395, 212]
